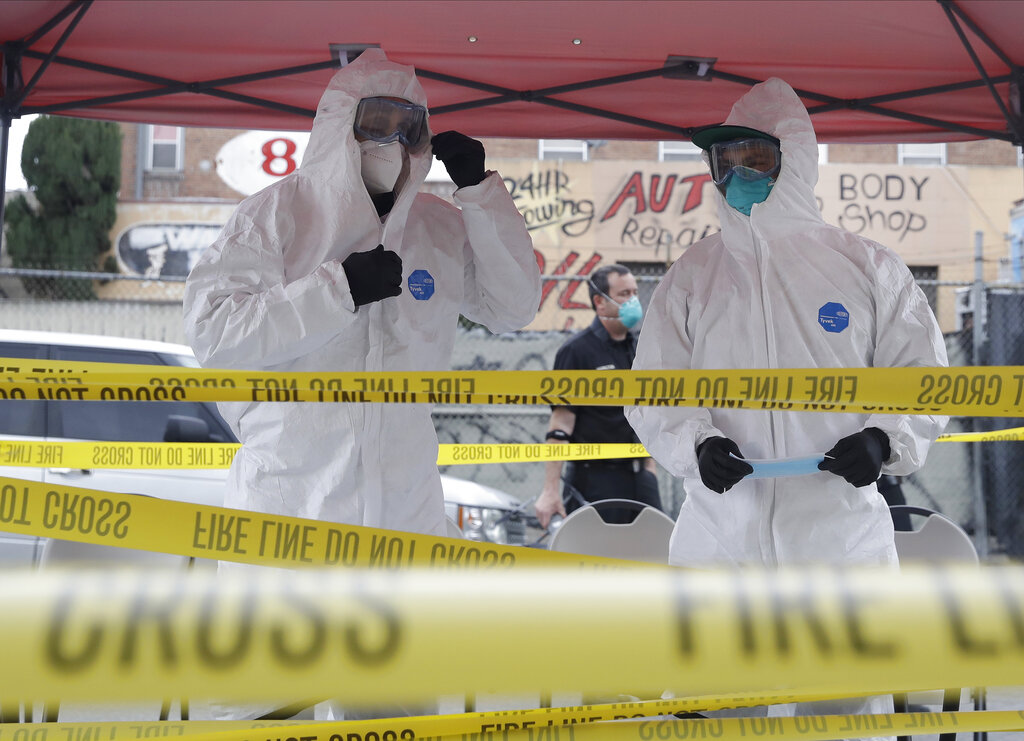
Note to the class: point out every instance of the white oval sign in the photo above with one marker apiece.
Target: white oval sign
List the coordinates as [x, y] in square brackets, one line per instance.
[253, 160]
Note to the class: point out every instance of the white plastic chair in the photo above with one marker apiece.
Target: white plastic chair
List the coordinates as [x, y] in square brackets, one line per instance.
[939, 540]
[644, 539]
[586, 533]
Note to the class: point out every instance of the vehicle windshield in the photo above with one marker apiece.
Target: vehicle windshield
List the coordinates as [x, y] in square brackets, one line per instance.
[185, 361]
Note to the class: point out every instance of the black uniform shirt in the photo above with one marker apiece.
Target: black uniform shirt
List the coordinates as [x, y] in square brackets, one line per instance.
[593, 349]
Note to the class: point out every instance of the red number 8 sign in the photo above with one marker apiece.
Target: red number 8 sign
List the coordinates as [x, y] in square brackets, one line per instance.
[286, 157]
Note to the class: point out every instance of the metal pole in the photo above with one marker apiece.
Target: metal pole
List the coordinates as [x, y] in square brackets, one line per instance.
[5, 136]
[979, 319]
[141, 134]
[1016, 248]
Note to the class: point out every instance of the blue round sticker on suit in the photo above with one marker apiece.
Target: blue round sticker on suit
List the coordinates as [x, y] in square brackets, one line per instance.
[421, 285]
[833, 317]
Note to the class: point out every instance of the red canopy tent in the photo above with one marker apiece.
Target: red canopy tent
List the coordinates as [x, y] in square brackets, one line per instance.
[869, 70]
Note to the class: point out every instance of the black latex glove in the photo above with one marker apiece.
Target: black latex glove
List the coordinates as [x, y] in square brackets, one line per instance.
[373, 275]
[463, 157]
[718, 470]
[858, 458]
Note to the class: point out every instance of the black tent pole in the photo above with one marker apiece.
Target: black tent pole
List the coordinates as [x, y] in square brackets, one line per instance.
[26, 89]
[15, 88]
[1013, 123]
[12, 84]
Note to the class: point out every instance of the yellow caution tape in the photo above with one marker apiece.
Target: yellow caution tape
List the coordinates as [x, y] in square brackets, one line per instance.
[454, 455]
[1014, 433]
[86, 455]
[377, 638]
[546, 729]
[971, 391]
[805, 728]
[195, 530]
[412, 727]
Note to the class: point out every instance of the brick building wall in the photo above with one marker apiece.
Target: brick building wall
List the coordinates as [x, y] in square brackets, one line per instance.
[985, 152]
[624, 150]
[510, 148]
[880, 154]
[199, 178]
[602, 150]
[129, 145]
[201, 147]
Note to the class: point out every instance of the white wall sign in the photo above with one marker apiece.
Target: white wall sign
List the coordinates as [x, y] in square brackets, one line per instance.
[253, 160]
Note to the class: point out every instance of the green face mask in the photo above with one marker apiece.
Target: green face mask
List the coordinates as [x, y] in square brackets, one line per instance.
[743, 194]
[630, 312]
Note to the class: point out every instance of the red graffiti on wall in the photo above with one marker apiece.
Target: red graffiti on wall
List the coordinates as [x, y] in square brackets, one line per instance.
[566, 289]
[655, 200]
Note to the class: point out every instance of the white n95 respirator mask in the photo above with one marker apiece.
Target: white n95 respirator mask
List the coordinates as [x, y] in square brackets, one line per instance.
[381, 164]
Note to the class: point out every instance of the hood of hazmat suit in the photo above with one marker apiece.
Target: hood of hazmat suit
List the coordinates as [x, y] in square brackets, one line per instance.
[782, 289]
[271, 294]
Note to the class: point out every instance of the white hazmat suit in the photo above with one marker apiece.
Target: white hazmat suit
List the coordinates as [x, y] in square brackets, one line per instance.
[271, 294]
[770, 291]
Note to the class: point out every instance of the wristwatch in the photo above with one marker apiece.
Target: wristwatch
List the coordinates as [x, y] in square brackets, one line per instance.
[558, 435]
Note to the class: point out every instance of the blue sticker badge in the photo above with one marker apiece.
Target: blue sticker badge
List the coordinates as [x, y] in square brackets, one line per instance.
[421, 285]
[833, 317]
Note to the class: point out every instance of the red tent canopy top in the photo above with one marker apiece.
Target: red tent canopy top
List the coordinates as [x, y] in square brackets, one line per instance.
[869, 70]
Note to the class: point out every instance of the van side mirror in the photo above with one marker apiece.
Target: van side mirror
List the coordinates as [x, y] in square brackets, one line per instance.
[183, 429]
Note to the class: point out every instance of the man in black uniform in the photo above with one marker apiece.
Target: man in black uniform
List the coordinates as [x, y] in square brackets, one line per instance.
[607, 344]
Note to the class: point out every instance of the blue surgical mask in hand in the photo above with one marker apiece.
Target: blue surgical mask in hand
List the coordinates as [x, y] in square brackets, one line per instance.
[780, 467]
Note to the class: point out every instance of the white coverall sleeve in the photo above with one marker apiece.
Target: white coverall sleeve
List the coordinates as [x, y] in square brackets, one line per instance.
[907, 336]
[501, 276]
[670, 434]
[240, 310]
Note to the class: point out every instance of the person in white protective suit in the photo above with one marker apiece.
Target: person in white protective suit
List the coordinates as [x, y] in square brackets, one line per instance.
[780, 288]
[343, 266]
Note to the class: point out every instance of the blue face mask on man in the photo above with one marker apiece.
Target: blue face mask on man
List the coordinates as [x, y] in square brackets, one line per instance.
[743, 194]
[630, 310]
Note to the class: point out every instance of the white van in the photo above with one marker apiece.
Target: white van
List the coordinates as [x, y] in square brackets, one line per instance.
[482, 512]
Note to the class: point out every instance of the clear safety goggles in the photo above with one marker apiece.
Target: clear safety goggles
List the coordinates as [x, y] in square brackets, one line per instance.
[748, 159]
[384, 120]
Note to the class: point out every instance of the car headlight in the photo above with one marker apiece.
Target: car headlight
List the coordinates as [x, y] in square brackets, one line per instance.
[484, 524]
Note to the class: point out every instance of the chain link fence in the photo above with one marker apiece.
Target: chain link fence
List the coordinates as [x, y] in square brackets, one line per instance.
[956, 480]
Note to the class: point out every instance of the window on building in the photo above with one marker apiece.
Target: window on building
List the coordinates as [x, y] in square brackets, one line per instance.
[822, 154]
[922, 154]
[165, 147]
[562, 149]
[678, 152]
